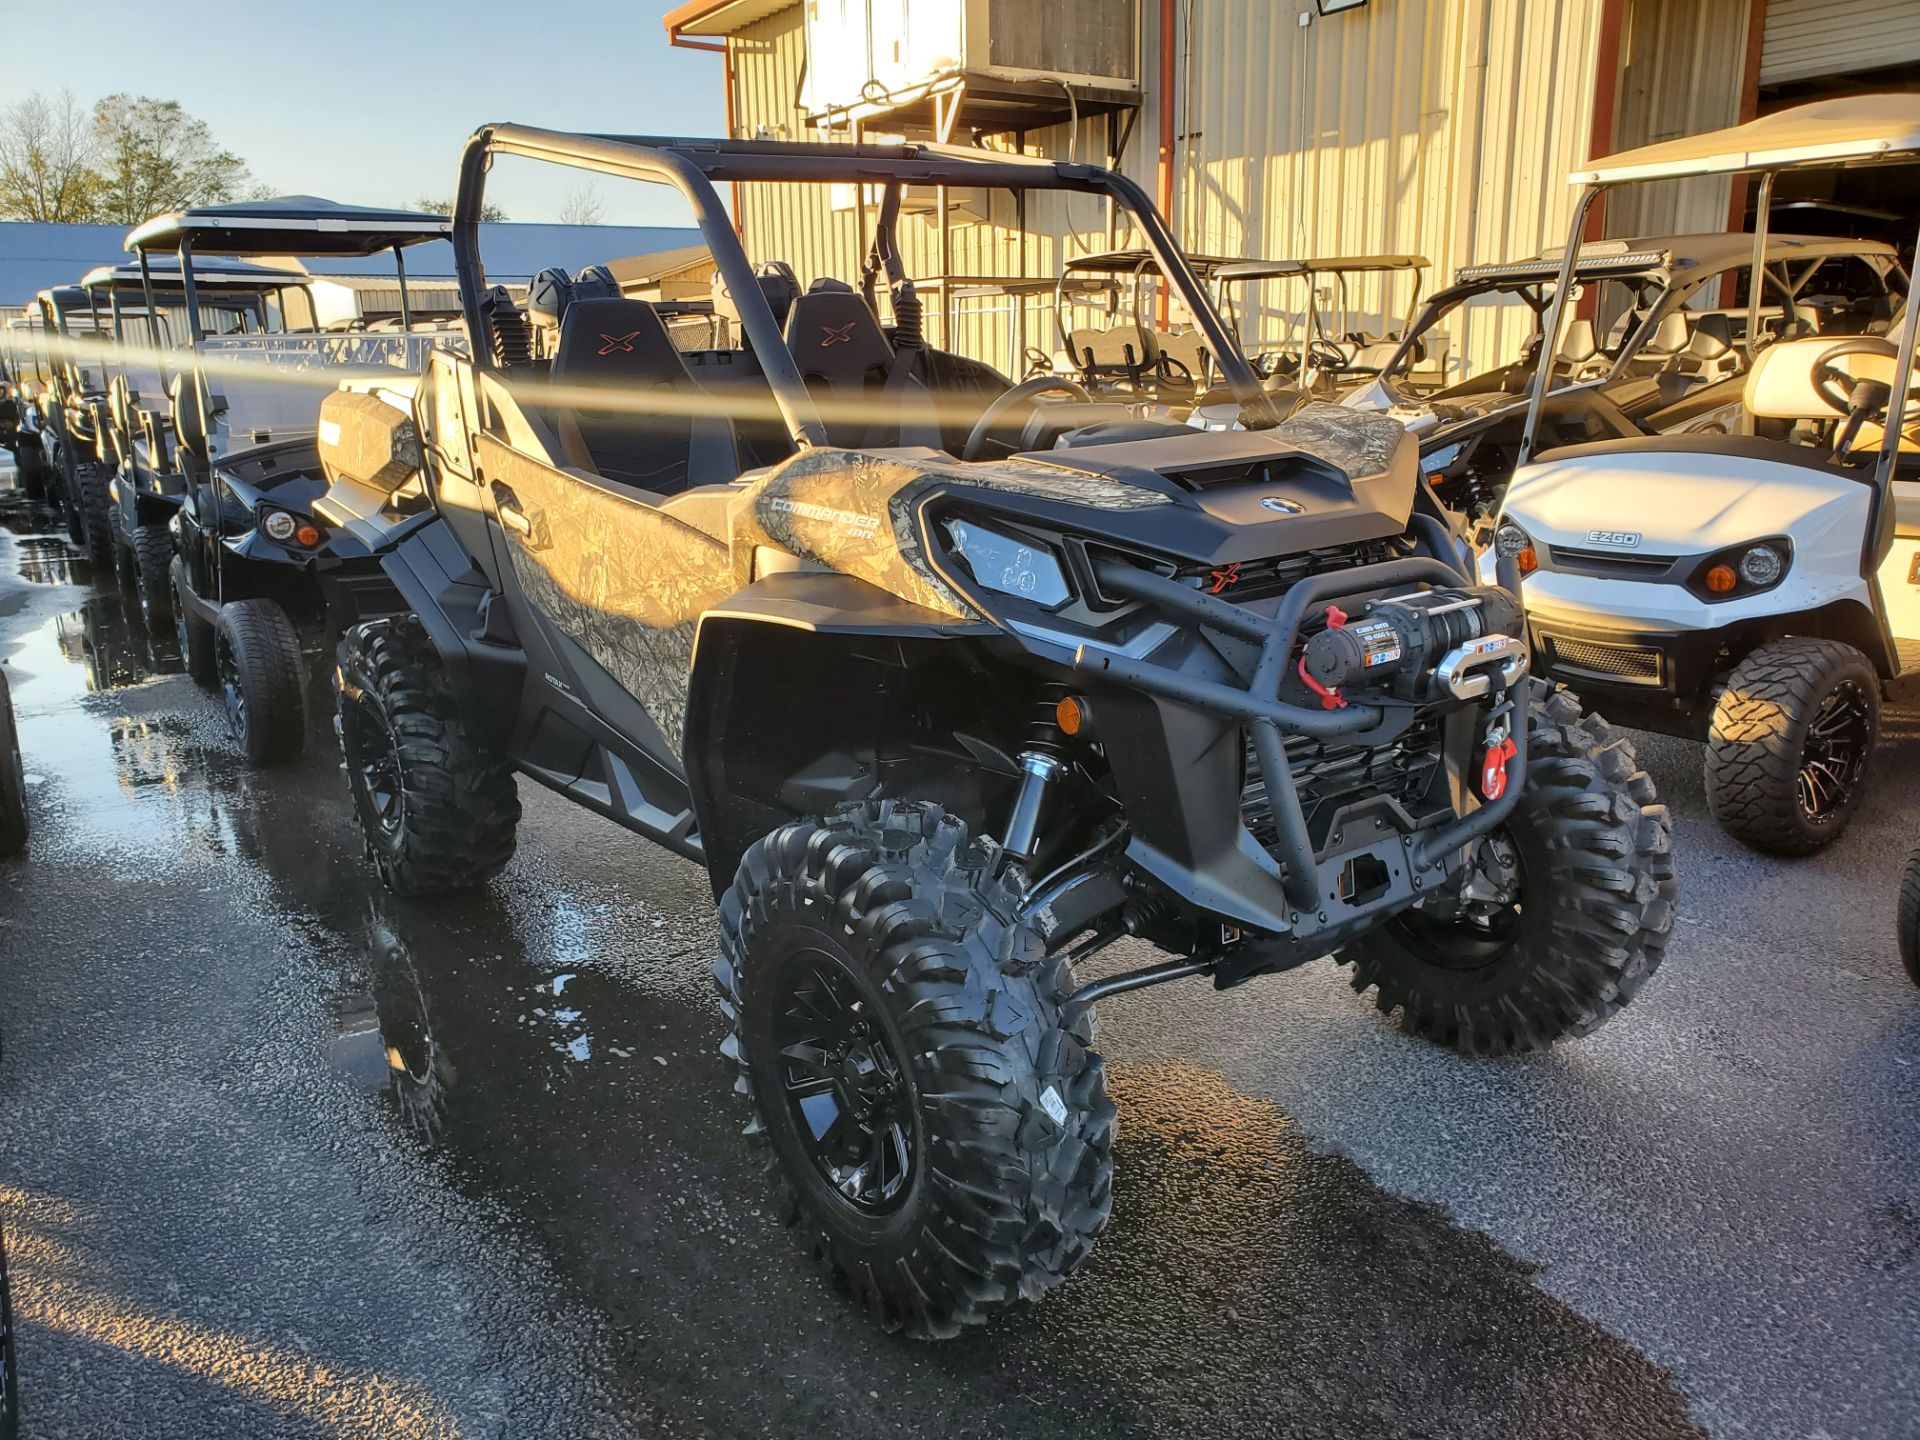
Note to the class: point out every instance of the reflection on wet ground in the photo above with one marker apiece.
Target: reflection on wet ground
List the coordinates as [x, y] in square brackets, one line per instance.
[43, 560]
[546, 1048]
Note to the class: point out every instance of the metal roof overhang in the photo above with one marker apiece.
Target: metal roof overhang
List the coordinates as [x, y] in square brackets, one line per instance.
[719, 17]
[1858, 129]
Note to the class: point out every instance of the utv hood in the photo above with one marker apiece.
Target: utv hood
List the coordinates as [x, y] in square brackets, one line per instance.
[1325, 477]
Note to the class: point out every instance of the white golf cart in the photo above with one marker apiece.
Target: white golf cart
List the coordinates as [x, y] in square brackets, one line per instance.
[1758, 589]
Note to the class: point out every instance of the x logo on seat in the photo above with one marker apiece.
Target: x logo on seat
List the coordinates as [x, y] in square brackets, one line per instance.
[838, 334]
[619, 342]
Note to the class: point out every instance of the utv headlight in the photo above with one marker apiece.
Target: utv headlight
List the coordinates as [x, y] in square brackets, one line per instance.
[1762, 565]
[1012, 567]
[279, 525]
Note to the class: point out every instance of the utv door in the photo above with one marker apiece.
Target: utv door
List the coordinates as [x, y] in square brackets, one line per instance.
[605, 589]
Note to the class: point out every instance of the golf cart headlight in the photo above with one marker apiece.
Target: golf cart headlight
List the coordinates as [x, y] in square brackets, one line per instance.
[279, 525]
[1013, 567]
[1762, 565]
[1511, 542]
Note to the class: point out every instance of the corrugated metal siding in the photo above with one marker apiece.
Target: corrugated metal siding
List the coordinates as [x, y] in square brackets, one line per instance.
[1432, 127]
[1681, 64]
[1809, 38]
[1437, 127]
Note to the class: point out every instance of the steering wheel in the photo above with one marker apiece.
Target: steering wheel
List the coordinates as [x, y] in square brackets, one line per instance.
[1837, 387]
[1025, 393]
[1039, 362]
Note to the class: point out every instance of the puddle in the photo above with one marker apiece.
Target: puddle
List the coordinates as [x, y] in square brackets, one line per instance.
[22, 515]
[108, 641]
[43, 561]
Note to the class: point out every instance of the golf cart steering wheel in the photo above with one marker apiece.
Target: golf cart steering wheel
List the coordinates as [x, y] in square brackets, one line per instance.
[1837, 387]
[1039, 362]
[1025, 393]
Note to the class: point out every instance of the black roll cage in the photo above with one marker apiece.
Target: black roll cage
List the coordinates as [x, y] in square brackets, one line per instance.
[694, 167]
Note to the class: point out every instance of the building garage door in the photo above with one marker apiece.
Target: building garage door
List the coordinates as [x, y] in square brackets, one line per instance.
[1806, 39]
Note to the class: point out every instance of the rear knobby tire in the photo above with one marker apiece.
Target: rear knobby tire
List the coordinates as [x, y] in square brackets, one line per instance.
[994, 1082]
[257, 663]
[13, 780]
[1596, 905]
[1772, 782]
[152, 547]
[1910, 917]
[437, 809]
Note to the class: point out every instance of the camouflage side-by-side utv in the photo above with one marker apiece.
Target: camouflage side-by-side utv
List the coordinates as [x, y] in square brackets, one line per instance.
[943, 722]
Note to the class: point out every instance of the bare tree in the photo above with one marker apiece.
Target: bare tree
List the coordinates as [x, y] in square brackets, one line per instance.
[489, 212]
[154, 157]
[46, 161]
[582, 206]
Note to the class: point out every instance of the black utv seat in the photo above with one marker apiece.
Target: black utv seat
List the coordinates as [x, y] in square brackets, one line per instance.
[870, 393]
[647, 439]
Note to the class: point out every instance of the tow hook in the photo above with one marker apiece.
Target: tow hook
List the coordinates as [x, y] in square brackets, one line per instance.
[1500, 748]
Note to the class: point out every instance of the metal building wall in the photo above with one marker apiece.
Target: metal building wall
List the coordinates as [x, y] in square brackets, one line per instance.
[1443, 128]
[1439, 127]
[1682, 63]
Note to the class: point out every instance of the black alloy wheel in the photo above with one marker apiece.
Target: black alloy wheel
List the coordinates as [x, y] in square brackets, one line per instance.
[373, 755]
[848, 1095]
[1839, 739]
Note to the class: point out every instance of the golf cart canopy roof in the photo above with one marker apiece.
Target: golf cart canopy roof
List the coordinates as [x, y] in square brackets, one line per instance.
[1261, 270]
[1358, 264]
[1709, 250]
[1859, 129]
[165, 269]
[1126, 262]
[290, 225]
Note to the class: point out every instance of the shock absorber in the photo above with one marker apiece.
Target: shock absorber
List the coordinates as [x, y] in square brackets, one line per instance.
[1040, 765]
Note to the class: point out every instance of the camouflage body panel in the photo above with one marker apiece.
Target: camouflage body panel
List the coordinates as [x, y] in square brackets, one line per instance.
[1358, 442]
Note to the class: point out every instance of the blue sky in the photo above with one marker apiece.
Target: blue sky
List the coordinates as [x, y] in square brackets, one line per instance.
[370, 103]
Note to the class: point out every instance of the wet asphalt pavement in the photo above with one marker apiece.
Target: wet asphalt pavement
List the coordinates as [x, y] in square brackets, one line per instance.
[280, 1156]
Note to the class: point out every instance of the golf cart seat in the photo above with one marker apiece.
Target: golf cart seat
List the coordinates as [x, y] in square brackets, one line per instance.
[870, 391]
[623, 345]
[1124, 353]
[1183, 359]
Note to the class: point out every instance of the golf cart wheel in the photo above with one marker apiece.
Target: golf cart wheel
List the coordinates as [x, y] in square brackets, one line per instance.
[124, 568]
[1910, 917]
[1565, 912]
[193, 635]
[941, 1135]
[13, 780]
[1790, 741]
[256, 661]
[152, 549]
[96, 511]
[438, 810]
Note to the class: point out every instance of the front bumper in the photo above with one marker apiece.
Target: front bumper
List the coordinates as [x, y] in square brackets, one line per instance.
[1174, 740]
[1654, 679]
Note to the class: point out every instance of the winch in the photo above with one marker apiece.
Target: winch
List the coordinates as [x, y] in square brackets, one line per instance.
[1428, 645]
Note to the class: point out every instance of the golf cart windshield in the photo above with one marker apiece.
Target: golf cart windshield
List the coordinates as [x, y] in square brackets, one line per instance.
[1844, 134]
[1323, 323]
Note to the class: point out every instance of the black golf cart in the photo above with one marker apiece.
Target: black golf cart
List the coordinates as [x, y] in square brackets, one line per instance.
[252, 566]
[942, 727]
[151, 314]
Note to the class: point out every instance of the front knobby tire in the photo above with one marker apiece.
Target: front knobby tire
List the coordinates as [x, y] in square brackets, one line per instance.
[152, 550]
[939, 1124]
[257, 664]
[1790, 741]
[1589, 854]
[437, 809]
[13, 780]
